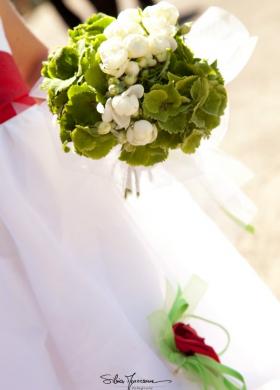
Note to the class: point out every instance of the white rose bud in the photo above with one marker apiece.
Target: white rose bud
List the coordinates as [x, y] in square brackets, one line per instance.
[160, 43]
[142, 61]
[160, 27]
[152, 62]
[121, 136]
[100, 108]
[109, 114]
[114, 29]
[121, 28]
[141, 133]
[129, 15]
[163, 11]
[114, 57]
[161, 57]
[137, 90]
[113, 80]
[118, 72]
[161, 19]
[130, 79]
[104, 128]
[120, 108]
[132, 27]
[136, 45]
[114, 89]
[132, 68]
[125, 105]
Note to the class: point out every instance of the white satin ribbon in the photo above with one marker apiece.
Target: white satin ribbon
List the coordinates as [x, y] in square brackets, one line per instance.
[219, 35]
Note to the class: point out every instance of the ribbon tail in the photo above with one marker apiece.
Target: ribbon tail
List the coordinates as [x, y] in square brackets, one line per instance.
[215, 179]
[232, 379]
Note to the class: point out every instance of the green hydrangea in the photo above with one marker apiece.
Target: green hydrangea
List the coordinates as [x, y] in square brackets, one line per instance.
[184, 97]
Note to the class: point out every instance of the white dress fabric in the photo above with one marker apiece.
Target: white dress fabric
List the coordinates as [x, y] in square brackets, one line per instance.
[82, 268]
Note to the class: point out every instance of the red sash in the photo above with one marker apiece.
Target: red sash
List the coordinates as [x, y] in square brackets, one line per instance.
[12, 88]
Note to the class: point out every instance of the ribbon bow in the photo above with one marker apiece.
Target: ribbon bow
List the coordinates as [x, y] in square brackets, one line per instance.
[14, 96]
[180, 344]
[13, 92]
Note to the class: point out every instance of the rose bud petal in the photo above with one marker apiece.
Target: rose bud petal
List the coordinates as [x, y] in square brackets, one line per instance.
[189, 343]
[142, 132]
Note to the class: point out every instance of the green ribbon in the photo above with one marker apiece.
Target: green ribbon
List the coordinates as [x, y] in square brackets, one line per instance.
[247, 227]
[209, 372]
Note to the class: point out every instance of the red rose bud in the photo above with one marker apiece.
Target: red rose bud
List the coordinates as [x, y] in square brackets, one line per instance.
[13, 88]
[188, 342]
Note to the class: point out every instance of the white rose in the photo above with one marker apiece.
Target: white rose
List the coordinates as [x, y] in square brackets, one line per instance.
[136, 45]
[122, 28]
[159, 26]
[131, 27]
[120, 108]
[163, 11]
[141, 133]
[161, 57]
[125, 105]
[161, 19]
[115, 29]
[160, 43]
[118, 72]
[147, 61]
[114, 57]
[129, 15]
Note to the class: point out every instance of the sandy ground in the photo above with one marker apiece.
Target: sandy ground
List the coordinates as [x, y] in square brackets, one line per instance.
[254, 135]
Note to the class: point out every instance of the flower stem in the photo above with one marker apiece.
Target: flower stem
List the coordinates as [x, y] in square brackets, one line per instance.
[219, 326]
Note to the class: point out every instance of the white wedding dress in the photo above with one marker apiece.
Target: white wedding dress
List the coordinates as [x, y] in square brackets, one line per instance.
[82, 268]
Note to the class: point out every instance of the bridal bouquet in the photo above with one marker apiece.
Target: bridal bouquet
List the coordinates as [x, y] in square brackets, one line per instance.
[133, 82]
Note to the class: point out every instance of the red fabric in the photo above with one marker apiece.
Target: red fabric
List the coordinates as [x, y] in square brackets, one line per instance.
[12, 87]
[188, 342]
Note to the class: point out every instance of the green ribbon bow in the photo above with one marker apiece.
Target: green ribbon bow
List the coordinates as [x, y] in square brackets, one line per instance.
[211, 374]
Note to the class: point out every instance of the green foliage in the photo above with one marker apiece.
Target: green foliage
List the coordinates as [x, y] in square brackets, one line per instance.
[91, 29]
[75, 84]
[175, 124]
[90, 145]
[62, 63]
[190, 105]
[92, 72]
[144, 155]
[57, 85]
[81, 105]
[162, 102]
[57, 100]
[192, 141]
[167, 140]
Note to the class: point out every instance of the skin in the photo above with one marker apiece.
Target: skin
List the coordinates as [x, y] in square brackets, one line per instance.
[27, 50]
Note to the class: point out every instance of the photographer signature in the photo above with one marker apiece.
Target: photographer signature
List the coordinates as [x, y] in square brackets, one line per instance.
[130, 380]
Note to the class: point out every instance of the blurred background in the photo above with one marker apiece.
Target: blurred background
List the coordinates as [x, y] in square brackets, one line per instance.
[255, 111]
